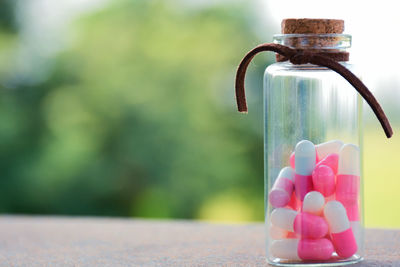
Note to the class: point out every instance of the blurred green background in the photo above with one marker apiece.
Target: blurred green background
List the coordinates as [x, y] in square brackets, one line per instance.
[128, 110]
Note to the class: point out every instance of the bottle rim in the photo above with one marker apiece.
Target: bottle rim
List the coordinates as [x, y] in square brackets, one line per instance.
[314, 41]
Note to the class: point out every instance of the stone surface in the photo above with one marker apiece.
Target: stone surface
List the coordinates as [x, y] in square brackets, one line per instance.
[69, 241]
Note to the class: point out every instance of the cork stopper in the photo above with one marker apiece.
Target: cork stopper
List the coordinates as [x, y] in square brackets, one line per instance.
[317, 35]
[316, 26]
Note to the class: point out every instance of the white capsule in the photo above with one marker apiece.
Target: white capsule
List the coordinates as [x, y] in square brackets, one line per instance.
[305, 157]
[324, 149]
[285, 249]
[277, 232]
[313, 202]
[349, 160]
[335, 215]
[287, 172]
[283, 218]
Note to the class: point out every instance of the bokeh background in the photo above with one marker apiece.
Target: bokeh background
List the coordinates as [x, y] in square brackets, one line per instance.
[126, 107]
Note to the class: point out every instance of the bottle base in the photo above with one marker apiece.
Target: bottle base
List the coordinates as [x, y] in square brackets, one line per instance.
[334, 262]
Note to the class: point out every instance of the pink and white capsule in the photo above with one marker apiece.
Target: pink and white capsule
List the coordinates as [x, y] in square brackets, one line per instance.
[324, 149]
[302, 249]
[348, 180]
[341, 233]
[323, 178]
[314, 203]
[282, 189]
[332, 160]
[292, 160]
[277, 233]
[305, 224]
[305, 160]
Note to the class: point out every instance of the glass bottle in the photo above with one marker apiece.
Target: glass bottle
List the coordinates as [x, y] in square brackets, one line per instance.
[313, 159]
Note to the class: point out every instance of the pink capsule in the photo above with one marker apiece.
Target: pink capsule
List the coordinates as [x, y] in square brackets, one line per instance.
[305, 159]
[323, 179]
[348, 180]
[292, 235]
[304, 224]
[303, 185]
[282, 189]
[277, 233]
[293, 161]
[315, 249]
[304, 249]
[342, 235]
[310, 226]
[294, 202]
[332, 160]
[324, 149]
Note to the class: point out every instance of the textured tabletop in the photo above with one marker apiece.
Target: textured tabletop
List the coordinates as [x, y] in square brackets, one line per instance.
[61, 241]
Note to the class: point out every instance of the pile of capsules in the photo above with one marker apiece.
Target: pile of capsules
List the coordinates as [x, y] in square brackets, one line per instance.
[316, 203]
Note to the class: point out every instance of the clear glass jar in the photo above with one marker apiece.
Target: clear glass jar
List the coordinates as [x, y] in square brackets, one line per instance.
[313, 197]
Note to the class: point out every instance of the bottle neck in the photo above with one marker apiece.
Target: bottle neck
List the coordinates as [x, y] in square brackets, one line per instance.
[330, 45]
[315, 42]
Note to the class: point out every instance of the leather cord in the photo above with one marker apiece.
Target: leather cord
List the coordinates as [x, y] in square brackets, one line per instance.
[298, 57]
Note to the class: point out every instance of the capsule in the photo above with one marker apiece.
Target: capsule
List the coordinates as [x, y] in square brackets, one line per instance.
[323, 178]
[314, 203]
[292, 160]
[348, 180]
[305, 160]
[332, 160]
[302, 249]
[277, 232]
[294, 202]
[282, 189]
[304, 224]
[324, 149]
[292, 235]
[341, 232]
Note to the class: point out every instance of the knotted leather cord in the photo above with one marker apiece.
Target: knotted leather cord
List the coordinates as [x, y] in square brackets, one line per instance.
[298, 57]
